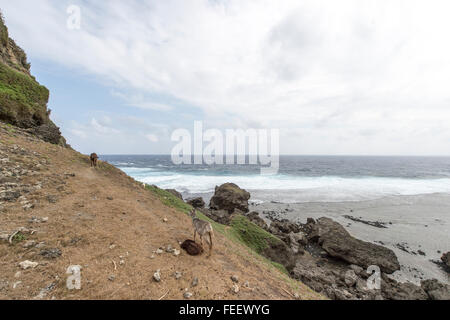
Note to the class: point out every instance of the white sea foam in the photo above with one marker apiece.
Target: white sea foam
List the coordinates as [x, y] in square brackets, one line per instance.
[286, 188]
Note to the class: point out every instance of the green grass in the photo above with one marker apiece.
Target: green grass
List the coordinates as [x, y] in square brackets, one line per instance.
[251, 235]
[21, 96]
[241, 230]
[19, 237]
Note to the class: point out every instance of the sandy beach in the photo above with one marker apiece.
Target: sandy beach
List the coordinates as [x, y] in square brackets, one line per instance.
[415, 227]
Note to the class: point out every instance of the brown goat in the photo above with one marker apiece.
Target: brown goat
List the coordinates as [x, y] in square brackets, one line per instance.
[94, 159]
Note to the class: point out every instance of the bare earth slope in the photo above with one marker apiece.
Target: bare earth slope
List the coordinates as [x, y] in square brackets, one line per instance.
[110, 225]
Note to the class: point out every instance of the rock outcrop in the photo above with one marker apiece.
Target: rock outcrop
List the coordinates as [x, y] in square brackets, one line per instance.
[197, 202]
[279, 252]
[23, 101]
[283, 227]
[332, 262]
[230, 197]
[338, 243]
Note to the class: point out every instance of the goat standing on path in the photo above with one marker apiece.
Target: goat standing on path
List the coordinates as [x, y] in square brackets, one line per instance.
[202, 227]
[94, 159]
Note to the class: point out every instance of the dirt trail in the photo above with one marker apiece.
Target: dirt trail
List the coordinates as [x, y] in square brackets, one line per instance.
[110, 225]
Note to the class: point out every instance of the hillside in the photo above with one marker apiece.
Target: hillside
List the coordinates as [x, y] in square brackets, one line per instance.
[112, 226]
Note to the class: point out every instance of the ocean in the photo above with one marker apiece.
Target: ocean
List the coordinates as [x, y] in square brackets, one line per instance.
[300, 178]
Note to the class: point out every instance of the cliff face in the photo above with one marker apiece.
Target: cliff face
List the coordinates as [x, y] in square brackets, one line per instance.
[23, 101]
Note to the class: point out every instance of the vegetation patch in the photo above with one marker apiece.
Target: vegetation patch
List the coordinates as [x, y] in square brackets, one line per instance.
[19, 237]
[241, 230]
[21, 97]
[251, 235]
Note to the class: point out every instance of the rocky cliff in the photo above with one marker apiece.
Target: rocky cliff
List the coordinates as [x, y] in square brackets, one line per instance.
[23, 101]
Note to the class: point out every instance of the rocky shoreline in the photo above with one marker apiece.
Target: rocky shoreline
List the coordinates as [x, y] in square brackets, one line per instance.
[324, 256]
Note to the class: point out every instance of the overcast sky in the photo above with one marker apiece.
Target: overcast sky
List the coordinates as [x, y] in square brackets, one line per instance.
[336, 77]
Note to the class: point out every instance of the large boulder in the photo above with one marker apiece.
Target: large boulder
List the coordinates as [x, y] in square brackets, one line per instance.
[279, 252]
[230, 197]
[337, 242]
[197, 203]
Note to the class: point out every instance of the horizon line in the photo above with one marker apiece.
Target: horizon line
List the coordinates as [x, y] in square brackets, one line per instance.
[291, 155]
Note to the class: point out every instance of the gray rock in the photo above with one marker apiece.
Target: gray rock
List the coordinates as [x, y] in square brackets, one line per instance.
[350, 278]
[394, 290]
[357, 269]
[279, 252]
[295, 241]
[256, 219]
[9, 195]
[28, 264]
[234, 278]
[49, 132]
[284, 227]
[157, 276]
[338, 243]
[435, 289]
[51, 253]
[235, 289]
[197, 203]
[187, 295]
[194, 282]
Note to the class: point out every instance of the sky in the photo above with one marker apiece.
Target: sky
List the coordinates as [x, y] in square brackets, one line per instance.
[348, 77]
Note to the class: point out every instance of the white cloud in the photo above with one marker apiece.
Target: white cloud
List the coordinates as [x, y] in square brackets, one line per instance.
[139, 101]
[370, 75]
[79, 133]
[100, 128]
[151, 137]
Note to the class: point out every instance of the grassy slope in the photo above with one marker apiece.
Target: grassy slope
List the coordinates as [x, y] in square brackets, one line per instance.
[21, 94]
[241, 230]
